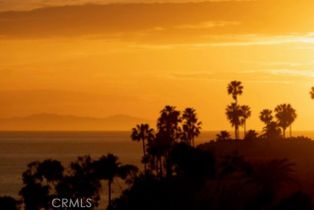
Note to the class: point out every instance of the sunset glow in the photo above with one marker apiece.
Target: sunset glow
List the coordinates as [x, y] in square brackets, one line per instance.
[132, 59]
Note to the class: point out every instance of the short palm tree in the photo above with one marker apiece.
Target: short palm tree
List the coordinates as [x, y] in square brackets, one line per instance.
[246, 113]
[251, 135]
[234, 115]
[272, 131]
[285, 115]
[223, 136]
[143, 133]
[235, 88]
[266, 116]
[191, 126]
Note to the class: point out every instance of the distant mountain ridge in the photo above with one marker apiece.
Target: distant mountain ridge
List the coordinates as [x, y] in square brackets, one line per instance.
[56, 122]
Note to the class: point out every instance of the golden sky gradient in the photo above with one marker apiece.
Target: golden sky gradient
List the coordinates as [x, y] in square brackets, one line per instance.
[100, 60]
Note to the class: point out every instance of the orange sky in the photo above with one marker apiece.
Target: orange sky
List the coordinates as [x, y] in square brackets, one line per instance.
[133, 59]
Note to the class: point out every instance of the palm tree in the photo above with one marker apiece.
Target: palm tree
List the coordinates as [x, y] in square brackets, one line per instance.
[191, 126]
[285, 115]
[143, 133]
[246, 113]
[169, 122]
[108, 168]
[235, 88]
[234, 115]
[271, 131]
[266, 116]
[223, 136]
[251, 135]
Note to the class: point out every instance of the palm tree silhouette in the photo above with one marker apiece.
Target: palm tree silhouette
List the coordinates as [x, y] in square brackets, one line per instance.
[108, 168]
[285, 115]
[169, 122]
[246, 113]
[143, 133]
[251, 135]
[272, 131]
[191, 126]
[266, 116]
[234, 115]
[223, 136]
[235, 88]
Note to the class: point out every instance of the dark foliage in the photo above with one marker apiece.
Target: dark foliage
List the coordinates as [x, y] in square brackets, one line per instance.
[8, 203]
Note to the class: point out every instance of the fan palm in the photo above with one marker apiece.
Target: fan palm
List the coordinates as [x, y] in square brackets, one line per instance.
[222, 136]
[285, 115]
[235, 88]
[169, 123]
[191, 126]
[246, 113]
[143, 133]
[234, 115]
[266, 116]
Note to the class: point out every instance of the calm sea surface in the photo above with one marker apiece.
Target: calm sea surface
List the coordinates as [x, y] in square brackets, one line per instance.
[17, 149]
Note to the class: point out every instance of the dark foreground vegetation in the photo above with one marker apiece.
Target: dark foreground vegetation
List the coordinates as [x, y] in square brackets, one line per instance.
[265, 171]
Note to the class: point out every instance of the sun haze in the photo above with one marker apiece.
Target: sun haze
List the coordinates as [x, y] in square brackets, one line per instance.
[98, 60]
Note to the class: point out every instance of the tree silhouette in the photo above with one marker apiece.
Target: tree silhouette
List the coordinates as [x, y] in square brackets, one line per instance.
[251, 135]
[192, 162]
[234, 89]
[297, 201]
[269, 177]
[39, 180]
[108, 168]
[271, 131]
[234, 115]
[169, 132]
[8, 203]
[266, 116]
[80, 181]
[191, 126]
[157, 149]
[285, 115]
[223, 136]
[169, 123]
[246, 113]
[143, 133]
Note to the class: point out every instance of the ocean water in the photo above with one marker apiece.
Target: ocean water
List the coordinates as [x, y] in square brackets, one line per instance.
[17, 149]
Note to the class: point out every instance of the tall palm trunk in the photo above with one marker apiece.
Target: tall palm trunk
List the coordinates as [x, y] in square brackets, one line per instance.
[236, 132]
[290, 130]
[284, 132]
